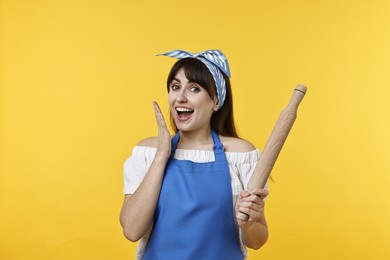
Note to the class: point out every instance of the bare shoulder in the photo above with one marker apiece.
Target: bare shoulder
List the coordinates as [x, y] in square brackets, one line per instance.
[233, 144]
[149, 142]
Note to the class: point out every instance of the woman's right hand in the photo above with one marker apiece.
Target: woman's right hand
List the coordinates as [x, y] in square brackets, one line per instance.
[164, 137]
[138, 208]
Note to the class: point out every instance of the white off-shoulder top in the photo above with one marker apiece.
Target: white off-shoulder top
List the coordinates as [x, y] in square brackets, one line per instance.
[241, 165]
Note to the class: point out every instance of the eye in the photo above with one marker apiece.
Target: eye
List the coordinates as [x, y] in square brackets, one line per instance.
[195, 89]
[175, 87]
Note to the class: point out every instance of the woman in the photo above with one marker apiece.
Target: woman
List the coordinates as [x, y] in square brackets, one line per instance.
[182, 193]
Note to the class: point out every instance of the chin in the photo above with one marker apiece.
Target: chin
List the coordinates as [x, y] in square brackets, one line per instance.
[183, 128]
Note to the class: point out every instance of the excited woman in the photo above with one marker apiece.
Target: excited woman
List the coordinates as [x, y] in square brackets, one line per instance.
[182, 193]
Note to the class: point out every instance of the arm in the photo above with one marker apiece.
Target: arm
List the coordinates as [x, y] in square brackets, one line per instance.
[138, 209]
[255, 230]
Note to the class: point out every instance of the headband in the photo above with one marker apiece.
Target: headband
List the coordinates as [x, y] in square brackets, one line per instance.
[215, 61]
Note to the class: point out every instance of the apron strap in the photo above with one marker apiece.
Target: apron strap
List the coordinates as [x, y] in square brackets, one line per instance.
[219, 152]
[174, 143]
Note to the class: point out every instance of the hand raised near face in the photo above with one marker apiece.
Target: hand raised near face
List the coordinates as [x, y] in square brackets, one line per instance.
[164, 137]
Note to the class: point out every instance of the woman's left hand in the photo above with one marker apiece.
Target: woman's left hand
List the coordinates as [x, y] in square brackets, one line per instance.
[252, 205]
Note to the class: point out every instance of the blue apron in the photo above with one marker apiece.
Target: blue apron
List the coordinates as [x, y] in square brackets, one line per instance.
[194, 217]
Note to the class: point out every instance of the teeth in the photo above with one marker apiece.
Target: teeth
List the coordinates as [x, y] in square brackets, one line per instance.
[181, 109]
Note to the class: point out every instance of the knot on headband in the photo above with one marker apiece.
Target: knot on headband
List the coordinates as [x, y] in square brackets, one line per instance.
[215, 61]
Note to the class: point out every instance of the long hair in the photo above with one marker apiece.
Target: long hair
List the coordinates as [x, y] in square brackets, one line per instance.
[222, 121]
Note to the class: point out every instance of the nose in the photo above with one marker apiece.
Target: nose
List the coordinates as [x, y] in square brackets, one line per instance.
[181, 96]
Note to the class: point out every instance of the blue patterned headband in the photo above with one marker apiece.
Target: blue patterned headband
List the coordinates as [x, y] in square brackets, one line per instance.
[215, 61]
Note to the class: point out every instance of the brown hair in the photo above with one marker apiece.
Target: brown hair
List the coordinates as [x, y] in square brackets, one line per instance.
[222, 121]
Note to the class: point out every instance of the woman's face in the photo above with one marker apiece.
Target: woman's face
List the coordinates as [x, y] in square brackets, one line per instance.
[190, 104]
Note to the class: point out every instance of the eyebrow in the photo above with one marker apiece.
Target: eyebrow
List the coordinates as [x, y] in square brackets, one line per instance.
[189, 82]
[176, 80]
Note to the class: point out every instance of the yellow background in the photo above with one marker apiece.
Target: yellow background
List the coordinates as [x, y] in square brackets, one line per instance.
[77, 80]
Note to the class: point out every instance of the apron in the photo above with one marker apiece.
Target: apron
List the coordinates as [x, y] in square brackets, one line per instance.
[194, 217]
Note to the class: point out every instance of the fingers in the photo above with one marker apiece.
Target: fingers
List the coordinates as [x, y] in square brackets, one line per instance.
[262, 193]
[256, 196]
[162, 126]
[159, 117]
[164, 137]
[253, 213]
[252, 204]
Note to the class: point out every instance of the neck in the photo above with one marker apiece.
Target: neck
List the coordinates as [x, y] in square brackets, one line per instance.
[197, 140]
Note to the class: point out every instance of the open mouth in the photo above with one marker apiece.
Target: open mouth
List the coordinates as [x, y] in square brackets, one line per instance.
[184, 113]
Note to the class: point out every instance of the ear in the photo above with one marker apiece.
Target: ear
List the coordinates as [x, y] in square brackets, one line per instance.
[216, 104]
